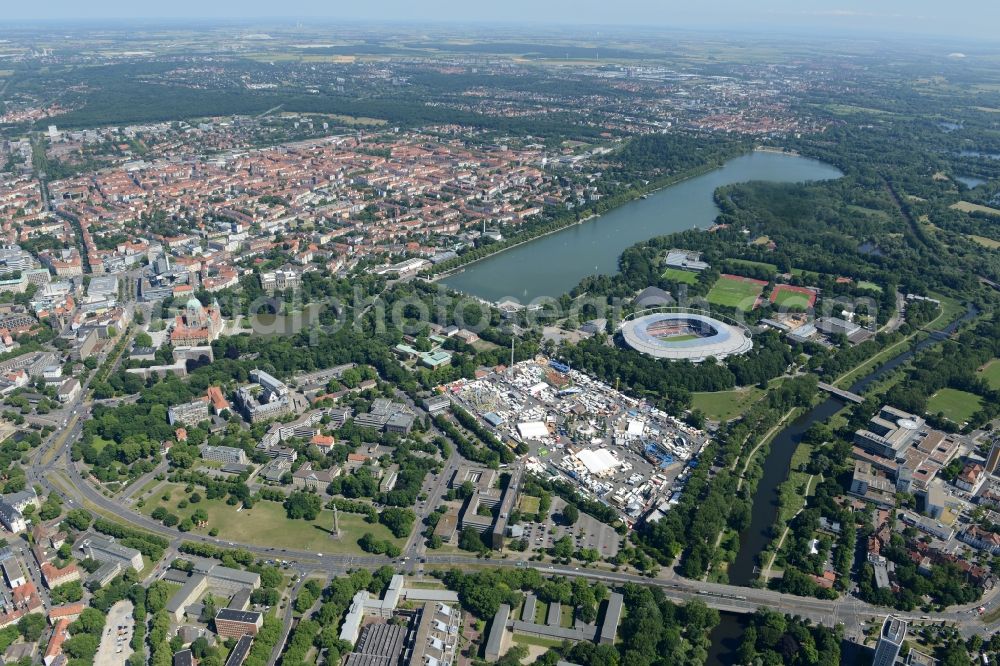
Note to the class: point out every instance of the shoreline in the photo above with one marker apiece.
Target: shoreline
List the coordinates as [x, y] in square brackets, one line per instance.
[694, 174]
[776, 150]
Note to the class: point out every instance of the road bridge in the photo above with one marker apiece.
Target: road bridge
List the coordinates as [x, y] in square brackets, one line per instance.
[840, 393]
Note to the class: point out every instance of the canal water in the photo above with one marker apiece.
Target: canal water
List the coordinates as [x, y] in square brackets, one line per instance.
[554, 264]
[757, 535]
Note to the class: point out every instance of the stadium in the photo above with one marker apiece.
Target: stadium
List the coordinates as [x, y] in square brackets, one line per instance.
[680, 334]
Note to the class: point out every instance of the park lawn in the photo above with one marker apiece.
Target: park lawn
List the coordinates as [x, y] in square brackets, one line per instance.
[99, 443]
[528, 504]
[734, 293]
[725, 405]
[267, 525]
[871, 286]
[797, 479]
[771, 268]
[957, 406]
[801, 272]
[991, 373]
[677, 275]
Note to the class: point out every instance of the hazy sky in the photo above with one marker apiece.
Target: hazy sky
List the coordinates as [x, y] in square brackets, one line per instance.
[957, 18]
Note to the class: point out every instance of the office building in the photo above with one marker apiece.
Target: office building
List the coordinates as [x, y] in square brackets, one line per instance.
[889, 641]
[106, 550]
[890, 432]
[230, 623]
[229, 455]
[190, 413]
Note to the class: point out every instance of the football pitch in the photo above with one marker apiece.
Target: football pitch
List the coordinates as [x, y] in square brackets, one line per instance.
[735, 292]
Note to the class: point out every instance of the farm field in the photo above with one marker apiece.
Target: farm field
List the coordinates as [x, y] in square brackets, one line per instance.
[967, 207]
[986, 242]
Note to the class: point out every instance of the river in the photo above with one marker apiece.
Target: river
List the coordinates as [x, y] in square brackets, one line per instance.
[554, 264]
[755, 538]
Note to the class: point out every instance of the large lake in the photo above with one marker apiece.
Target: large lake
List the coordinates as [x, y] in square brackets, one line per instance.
[554, 264]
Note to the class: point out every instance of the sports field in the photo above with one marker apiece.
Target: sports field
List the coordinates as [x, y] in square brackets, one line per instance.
[787, 296]
[677, 275]
[957, 406]
[736, 292]
[991, 373]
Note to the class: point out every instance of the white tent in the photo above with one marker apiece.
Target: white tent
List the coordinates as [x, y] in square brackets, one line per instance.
[598, 461]
[532, 430]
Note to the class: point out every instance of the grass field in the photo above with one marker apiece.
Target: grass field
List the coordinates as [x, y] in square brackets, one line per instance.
[991, 373]
[540, 641]
[797, 479]
[771, 268]
[682, 338]
[967, 207]
[266, 524]
[735, 292]
[528, 504]
[725, 405]
[787, 296]
[986, 242]
[957, 406]
[801, 272]
[864, 284]
[100, 443]
[677, 275]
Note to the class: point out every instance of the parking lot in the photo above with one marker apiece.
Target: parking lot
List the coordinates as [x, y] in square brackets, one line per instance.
[588, 532]
[115, 646]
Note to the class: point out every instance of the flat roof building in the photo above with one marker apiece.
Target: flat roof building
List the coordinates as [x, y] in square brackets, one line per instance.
[106, 550]
[612, 616]
[494, 641]
[889, 642]
[240, 651]
[230, 623]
